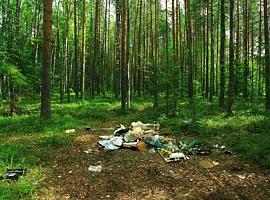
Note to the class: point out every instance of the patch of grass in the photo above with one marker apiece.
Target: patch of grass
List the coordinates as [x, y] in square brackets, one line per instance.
[254, 147]
[18, 155]
[24, 188]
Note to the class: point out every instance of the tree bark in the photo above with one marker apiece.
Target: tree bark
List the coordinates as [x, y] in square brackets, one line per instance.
[46, 84]
[245, 48]
[117, 76]
[124, 64]
[231, 61]
[212, 71]
[222, 53]
[76, 66]
[83, 51]
[190, 63]
[267, 57]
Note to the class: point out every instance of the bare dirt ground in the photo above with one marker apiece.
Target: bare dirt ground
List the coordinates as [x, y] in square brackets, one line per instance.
[130, 174]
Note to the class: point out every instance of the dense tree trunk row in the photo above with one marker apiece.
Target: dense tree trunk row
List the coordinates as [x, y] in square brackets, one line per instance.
[168, 49]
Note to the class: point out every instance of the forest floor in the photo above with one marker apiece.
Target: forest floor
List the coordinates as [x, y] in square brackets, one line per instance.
[130, 174]
[58, 166]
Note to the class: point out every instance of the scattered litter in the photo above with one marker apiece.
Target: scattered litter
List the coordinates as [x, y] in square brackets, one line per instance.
[241, 176]
[120, 130]
[156, 143]
[112, 144]
[129, 138]
[152, 151]
[70, 131]
[203, 152]
[117, 141]
[106, 137]
[228, 151]
[196, 147]
[13, 174]
[169, 157]
[178, 156]
[215, 163]
[130, 145]
[87, 128]
[89, 151]
[137, 132]
[154, 126]
[170, 171]
[97, 168]
[108, 145]
[141, 146]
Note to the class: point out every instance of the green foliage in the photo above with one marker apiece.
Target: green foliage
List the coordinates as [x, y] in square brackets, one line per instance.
[23, 189]
[14, 154]
[18, 79]
[254, 147]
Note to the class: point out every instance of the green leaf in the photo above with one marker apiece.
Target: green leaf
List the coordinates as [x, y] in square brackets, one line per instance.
[18, 79]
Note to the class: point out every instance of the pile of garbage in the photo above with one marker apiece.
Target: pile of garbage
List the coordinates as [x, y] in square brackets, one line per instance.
[140, 136]
[132, 137]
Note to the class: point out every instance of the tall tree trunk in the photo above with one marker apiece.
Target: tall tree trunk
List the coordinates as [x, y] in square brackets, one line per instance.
[174, 37]
[58, 55]
[67, 61]
[76, 67]
[167, 58]
[96, 49]
[252, 62]
[259, 59]
[128, 57]
[155, 56]
[139, 50]
[124, 67]
[212, 71]
[83, 52]
[46, 85]
[190, 63]
[237, 51]
[207, 52]
[231, 61]
[245, 48]
[222, 53]
[217, 50]
[117, 75]
[267, 57]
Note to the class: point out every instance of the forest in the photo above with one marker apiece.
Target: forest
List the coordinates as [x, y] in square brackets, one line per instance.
[72, 70]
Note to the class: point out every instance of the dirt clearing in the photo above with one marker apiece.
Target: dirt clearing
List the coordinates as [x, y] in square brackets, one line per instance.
[130, 174]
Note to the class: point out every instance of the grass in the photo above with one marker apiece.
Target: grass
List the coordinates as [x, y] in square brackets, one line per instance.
[26, 140]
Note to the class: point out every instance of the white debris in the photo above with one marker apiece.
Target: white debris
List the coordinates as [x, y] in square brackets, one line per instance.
[178, 156]
[97, 168]
[143, 126]
[117, 141]
[105, 137]
[241, 176]
[70, 131]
